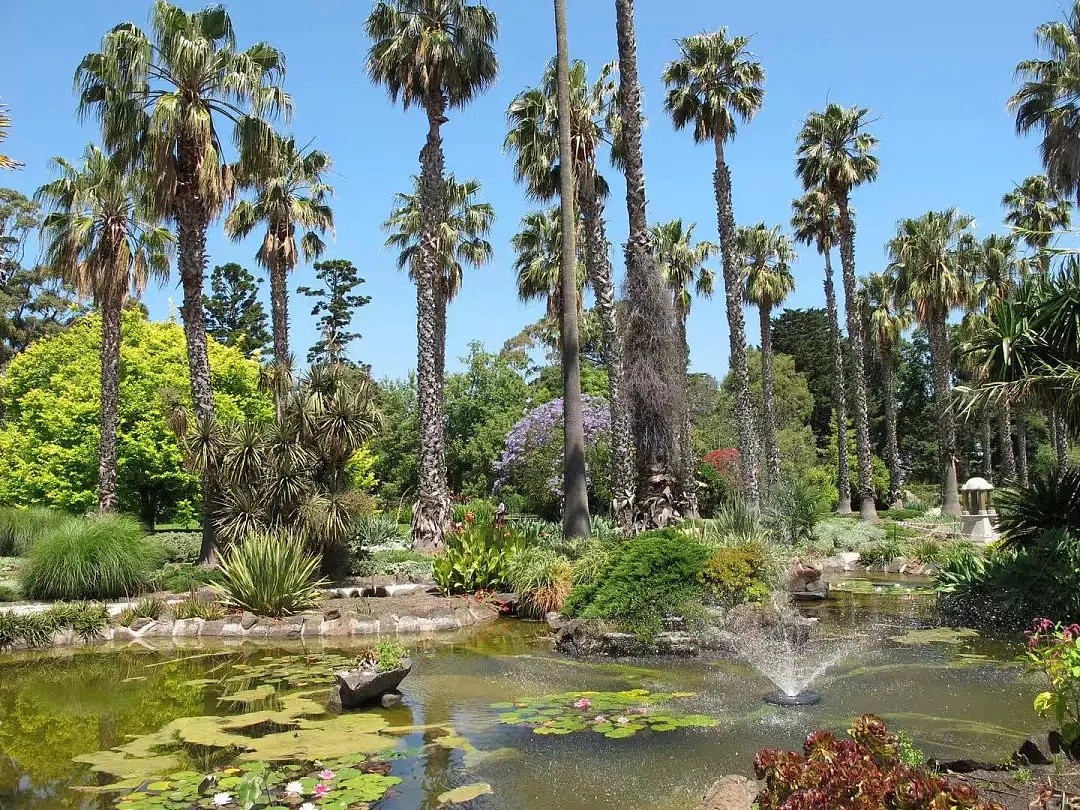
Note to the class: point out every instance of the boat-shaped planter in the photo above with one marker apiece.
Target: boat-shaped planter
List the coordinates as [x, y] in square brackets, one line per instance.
[358, 688]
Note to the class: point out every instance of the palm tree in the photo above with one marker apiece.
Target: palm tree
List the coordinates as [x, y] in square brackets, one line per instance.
[932, 260]
[438, 55]
[765, 264]
[159, 97]
[1047, 100]
[682, 263]
[887, 321]
[833, 154]
[538, 245]
[290, 193]
[5, 125]
[1036, 211]
[534, 141]
[102, 240]
[814, 220]
[716, 82]
[651, 351]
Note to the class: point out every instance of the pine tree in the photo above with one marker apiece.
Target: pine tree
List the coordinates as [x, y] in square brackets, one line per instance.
[335, 307]
[234, 315]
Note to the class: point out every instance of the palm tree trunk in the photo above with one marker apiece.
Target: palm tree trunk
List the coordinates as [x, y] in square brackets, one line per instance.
[987, 442]
[1060, 438]
[744, 409]
[601, 278]
[110, 395]
[839, 391]
[867, 507]
[279, 309]
[946, 428]
[892, 449]
[442, 303]
[1006, 457]
[768, 398]
[688, 458]
[1021, 450]
[431, 513]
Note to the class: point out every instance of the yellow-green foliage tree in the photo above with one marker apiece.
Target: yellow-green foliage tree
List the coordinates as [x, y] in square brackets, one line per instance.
[50, 397]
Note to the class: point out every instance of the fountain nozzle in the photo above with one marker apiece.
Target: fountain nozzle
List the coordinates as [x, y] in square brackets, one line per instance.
[807, 697]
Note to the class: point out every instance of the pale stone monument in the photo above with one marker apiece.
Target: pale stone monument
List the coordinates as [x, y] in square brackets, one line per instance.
[977, 520]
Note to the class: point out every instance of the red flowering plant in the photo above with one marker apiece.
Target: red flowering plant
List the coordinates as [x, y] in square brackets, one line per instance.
[1053, 651]
[863, 773]
[726, 462]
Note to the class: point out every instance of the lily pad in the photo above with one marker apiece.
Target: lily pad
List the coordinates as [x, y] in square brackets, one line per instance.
[465, 793]
[936, 635]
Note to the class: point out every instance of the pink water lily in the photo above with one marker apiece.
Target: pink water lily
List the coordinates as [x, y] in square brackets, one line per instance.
[326, 774]
[622, 721]
[582, 703]
[599, 719]
[321, 791]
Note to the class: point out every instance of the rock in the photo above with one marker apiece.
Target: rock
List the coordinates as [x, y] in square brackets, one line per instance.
[506, 602]
[139, 624]
[391, 699]
[554, 620]
[675, 624]
[898, 564]
[360, 687]
[809, 596]
[730, 793]
[1034, 751]
[187, 628]
[403, 590]
[622, 645]
[684, 645]
[800, 577]
[331, 615]
[849, 560]
[715, 639]
[248, 619]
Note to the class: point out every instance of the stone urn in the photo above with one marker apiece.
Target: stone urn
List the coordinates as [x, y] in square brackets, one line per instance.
[357, 688]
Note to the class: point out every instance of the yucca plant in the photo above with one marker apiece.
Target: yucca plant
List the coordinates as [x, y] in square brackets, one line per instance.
[269, 574]
[1050, 502]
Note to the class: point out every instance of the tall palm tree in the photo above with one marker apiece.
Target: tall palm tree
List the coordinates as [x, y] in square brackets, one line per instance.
[102, 240]
[765, 263]
[290, 193]
[833, 153]
[887, 320]
[932, 259]
[160, 97]
[538, 265]
[533, 139]
[715, 83]
[5, 124]
[651, 350]
[682, 263]
[575, 487]
[1037, 212]
[814, 220]
[1047, 100]
[437, 55]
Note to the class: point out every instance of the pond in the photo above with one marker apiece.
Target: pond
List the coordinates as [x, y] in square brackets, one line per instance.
[955, 694]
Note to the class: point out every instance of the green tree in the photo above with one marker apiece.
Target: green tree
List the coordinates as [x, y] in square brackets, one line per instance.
[538, 245]
[765, 257]
[717, 82]
[50, 397]
[335, 307]
[1037, 212]
[833, 154]
[397, 463]
[290, 193]
[101, 238]
[804, 335]
[437, 55]
[234, 314]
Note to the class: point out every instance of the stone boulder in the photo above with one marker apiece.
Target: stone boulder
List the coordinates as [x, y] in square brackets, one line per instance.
[805, 582]
[358, 688]
[730, 793]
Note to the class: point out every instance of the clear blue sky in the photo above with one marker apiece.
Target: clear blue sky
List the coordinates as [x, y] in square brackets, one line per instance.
[935, 73]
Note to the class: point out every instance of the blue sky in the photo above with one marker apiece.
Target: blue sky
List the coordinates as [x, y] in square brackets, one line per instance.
[936, 74]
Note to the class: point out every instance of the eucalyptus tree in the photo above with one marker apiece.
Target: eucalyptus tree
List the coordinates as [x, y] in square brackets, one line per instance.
[932, 257]
[5, 124]
[814, 219]
[291, 193]
[437, 55]
[715, 83]
[538, 262]
[833, 153]
[533, 140]
[887, 319]
[653, 393]
[682, 263]
[765, 257]
[101, 238]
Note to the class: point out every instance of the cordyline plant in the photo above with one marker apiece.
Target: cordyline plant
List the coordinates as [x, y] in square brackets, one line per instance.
[863, 773]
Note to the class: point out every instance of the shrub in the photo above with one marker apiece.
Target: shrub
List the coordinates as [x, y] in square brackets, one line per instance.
[795, 509]
[836, 533]
[372, 532]
[881, 553]
[1052, 501]
[734, 524]
[37, 629]
[385, 656]
[926, 551]
[270, 575]
[477, 510]
[9, 594]
[733, 575]
[901, 514]
[866, 771]
[536, 533]
[542, 579]
[179, 547]
[591, 560]
[476, 559]
[98, 557]
[20, 527]
[181, 577]
[714, 489]
[405, 564]
[652, 575]
[1054, 652]
[195, 608]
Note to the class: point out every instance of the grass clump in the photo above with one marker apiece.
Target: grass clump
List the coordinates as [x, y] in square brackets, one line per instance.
[195, 608]
[270, 575]
[9, 593]
[542, 579]
[20, 527]
[87, 619]
[149, 607]
[98, 557]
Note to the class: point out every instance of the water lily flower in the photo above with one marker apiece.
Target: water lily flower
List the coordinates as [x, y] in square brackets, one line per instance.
[622, 721]
[326, 774]
[294, 789]
[599, 719]
[307, 806]
[321, 790]
[222, 799]
[583, 703]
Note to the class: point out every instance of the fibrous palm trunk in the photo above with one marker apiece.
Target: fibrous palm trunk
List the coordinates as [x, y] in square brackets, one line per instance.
[839, 391]
[986, 439]
[1006, 457]
[442, 302]
[688, 458]
[431, 513]
[1021, 450]
[601, 279]
[744, 410]
[279, 304]
[768, 398]
[110, 394]
[946, 427]
[892, 449]
[1060, 438]
[867, 507]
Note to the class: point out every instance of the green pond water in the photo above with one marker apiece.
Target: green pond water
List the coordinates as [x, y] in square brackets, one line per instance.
[956, 696]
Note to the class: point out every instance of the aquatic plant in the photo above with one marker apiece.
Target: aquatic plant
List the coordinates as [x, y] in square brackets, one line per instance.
[270, 575]
[542, 579]
[866, 771]
[99, 557]
[476, 558]
[613, 714]
[21, 526]
[1053, 651]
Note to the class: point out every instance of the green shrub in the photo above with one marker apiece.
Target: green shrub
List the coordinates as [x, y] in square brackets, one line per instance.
[179, 547]
[476, 559]
[37, 629]
[926, 551]
[270, 575]
[536, 533]
[20, 527]
[880, 554]
[478, 510]
[591, 560]
[926, 495]
[9, 593]
[1051, 502]
[181, 577]
[901, 514]
[542, 579]
[734, 524]
[146, 608]
[98, 557]
[403, 564]
[372, 532]
[837, 533]
[649, 576]
[385, 656]
[794, 510]
[195, 608]
[734, 575]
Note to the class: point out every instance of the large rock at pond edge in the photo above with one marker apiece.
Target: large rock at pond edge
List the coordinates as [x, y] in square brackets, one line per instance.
[730, 793]
[361, 687]
[576, 637]
[806, 579]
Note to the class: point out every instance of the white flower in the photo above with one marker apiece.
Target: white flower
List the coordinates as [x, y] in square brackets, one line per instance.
[294, 789]
[307, 806]
[622, 721]
[222, 799]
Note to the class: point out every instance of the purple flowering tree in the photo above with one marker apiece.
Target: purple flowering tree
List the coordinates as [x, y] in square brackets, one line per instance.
[531, 463]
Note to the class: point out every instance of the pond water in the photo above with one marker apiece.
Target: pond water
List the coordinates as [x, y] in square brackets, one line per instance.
[956, 696]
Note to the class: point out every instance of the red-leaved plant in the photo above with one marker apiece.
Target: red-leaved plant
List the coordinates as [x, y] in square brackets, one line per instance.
[726, 462]
[863, 773]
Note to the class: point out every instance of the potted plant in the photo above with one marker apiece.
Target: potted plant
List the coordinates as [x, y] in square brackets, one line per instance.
[379, 670]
